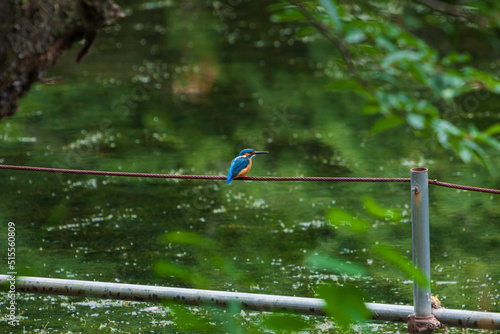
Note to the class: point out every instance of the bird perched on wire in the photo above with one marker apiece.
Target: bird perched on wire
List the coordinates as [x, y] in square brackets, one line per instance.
[242, 164]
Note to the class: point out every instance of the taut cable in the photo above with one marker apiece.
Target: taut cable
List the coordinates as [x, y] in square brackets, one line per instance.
[250, 178]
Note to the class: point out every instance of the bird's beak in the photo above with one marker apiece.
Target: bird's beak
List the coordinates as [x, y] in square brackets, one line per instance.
[261, 152]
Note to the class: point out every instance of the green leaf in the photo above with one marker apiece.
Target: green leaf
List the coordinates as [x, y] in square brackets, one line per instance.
[384, 43]
[277, 6]
[344, 303]
[224, 266]
[424, 107]
[450, 128]
[416, 120]
[405, 57]
[288, 15]
[229, 318]
[368, 50]
[341, 218]
[418, 72]
[165, 269]
[455, 58]
[481, 155]
[332, 264]
[443, 129]
[285, 322]
[306, 31]
[473, 131]
[393, 256]
[371, 107]
[332, 11]
[464, 152]
[386, 123]
[489, 141]
[489, 81]
[492, 130]
[379, 211]
[354, 35]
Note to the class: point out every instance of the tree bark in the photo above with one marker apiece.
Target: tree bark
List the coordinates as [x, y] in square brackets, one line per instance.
[34, 34]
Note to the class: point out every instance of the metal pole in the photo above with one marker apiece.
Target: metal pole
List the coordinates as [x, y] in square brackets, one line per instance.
[248, 301]
[420, 238]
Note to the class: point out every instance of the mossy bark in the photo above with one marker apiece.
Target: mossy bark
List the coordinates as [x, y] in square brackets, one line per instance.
[34, 34]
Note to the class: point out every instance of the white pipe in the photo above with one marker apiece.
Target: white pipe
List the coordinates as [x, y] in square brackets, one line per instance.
[250, 301]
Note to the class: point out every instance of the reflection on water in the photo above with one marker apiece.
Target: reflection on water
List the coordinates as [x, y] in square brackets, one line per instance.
[183, 90]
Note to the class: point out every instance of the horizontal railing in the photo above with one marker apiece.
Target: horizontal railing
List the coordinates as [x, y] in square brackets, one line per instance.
[421, 317]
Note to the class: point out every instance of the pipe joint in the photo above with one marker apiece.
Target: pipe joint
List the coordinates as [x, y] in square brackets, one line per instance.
[423, 325]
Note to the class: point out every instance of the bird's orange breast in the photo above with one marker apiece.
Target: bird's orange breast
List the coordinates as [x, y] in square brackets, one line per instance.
[246, 169]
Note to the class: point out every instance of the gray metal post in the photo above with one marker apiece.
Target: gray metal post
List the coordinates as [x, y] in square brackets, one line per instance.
[420, 238]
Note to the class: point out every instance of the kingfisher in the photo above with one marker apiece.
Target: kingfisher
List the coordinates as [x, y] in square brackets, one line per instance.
[242, 164]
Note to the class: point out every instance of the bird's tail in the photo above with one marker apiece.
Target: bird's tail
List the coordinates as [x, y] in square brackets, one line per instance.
[229, 179]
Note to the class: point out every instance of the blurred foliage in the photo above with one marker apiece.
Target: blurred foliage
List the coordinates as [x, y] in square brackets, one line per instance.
[388, 253]
[207, 256]
[402, 76]
[210, 257]
[345, 303]
[378, 211]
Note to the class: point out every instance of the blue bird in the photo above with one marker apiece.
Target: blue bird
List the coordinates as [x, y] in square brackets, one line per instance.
[242, 164]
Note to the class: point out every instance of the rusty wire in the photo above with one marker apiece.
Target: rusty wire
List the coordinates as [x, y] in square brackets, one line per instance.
[458, 186]
[252, 178]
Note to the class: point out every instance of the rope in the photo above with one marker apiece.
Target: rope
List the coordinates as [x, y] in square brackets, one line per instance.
[458, 186]
[250, 178]
[203, 177]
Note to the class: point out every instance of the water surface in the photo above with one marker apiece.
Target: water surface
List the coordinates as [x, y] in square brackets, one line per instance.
[182, 90]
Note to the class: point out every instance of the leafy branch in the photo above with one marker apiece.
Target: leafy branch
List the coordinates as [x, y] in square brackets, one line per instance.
[453, 10]
[340, 43]
[399, 75]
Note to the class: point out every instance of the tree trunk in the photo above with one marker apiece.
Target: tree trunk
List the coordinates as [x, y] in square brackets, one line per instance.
[34, 34]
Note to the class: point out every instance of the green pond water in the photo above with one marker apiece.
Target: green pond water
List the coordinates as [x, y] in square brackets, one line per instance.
[182, 89]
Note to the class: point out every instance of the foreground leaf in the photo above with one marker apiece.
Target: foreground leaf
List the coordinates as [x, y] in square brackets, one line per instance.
[386, 123]
[341, 218]
[344, 303]
[166, 269]
[333, 13]
[393, 256]
[379, 211]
